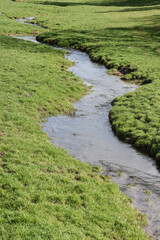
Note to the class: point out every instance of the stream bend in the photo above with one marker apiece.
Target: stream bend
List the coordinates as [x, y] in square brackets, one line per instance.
[88, 136]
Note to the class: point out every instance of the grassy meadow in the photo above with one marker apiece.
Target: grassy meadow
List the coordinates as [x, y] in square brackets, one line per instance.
[45, 193]
[125, 36]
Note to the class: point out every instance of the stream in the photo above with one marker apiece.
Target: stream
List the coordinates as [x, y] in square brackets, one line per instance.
[87, 135]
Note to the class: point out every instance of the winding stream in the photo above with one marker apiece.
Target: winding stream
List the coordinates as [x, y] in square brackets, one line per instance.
[88, 136]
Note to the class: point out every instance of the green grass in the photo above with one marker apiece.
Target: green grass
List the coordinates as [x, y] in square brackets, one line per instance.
[124, 36]
[45, 193]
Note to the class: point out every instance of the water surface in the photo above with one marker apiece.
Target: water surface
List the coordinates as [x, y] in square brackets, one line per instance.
[88, 136]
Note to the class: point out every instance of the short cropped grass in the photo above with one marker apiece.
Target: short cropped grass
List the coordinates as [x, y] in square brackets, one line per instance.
[125, 36]
[45, 193]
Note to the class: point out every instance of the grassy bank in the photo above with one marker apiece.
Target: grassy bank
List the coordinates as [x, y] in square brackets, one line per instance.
[122, 34]
[125, 36]
[45, 193]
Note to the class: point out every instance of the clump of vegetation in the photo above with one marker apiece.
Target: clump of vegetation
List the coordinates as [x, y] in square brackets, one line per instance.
[147, 192]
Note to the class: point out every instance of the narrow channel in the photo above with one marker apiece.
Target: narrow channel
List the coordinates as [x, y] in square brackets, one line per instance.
[88, 136]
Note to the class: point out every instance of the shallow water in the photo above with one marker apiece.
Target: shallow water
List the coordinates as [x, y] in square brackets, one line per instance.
[24, 20]
[88, 136]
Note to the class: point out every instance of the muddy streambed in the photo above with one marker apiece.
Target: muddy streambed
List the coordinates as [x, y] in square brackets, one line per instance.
[87, 135]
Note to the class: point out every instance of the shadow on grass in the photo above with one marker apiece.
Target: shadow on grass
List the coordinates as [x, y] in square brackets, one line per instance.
[133, 9]
[146, 8]
[121, 36]
[125, 3]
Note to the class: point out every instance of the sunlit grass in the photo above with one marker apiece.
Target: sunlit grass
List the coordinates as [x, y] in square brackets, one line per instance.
[124, 36]
[45, 193]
